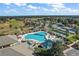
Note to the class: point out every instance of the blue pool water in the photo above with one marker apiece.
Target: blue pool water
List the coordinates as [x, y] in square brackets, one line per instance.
[39, 36]
[47, 44]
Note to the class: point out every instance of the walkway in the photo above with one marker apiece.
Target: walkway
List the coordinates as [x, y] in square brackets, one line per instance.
[73, 43]
[70, 48]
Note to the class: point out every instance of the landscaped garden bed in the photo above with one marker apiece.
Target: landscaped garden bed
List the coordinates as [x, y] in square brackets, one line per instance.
[68, 42]
[70, 39]
[65, 47]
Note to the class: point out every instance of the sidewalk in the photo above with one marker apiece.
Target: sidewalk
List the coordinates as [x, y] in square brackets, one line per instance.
[73, 43]
[70, 48]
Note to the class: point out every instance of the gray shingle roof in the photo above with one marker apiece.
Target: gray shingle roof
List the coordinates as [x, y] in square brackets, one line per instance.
[9, 52]
[23, 49]
[18, 50]
[5, 40]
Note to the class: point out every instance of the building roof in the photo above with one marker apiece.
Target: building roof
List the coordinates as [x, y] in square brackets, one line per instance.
[18, 50]
[60, 34]
[9, 52]
[5, 40]
[23, 49]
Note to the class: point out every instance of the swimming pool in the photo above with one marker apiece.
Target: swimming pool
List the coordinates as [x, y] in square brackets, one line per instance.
[38, 36]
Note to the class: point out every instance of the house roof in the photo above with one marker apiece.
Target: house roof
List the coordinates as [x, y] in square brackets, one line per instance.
[9, 52]
[5, 40]
[18, 50]
[23, 49]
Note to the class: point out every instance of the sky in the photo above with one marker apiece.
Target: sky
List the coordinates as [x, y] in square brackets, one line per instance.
[25, 9]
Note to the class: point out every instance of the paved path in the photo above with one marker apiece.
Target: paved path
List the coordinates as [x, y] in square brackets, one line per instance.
[65, 51]
[73, 43]
[70, 48]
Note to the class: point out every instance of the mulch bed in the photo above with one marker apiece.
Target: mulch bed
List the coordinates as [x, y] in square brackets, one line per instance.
[23, 41]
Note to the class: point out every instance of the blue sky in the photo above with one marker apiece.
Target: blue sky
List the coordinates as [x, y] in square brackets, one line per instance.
[17, 9]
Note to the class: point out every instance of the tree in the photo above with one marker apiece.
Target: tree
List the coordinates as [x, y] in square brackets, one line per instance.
[67, 32]
[40, 51]
[14, 23]
[77, 29]
[55, 50]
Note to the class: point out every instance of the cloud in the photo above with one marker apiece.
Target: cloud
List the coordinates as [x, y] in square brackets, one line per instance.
[10, 11]
[17, 4]
[32, 7]
[45, 9]
[7, 3]
[61, 8]
[37, 8]
[8, 7]
[55, 8]
[20, 4]
[58, 5]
